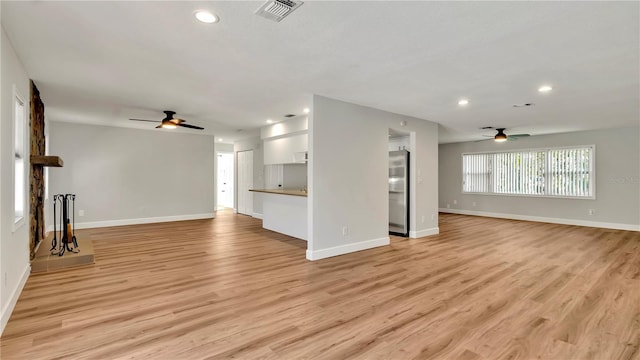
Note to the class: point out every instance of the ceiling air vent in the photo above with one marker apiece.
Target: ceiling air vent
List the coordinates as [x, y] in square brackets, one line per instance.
[277, 10]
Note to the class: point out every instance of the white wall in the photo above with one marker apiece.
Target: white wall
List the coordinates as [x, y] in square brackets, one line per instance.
[14, 246]
[294, 176]
[221, 147]
[127, 176]
[254, 144]
[617, 202]
[348, 176]
[400, 142]
[294, 125]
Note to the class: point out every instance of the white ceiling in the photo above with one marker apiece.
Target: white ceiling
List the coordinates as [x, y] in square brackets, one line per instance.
[105, 62]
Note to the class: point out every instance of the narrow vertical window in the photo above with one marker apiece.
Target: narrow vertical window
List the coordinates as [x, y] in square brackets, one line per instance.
[19, 159]
[46, 168]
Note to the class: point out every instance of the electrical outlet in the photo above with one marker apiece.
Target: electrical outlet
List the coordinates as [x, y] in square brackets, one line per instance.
[592, 212]
[455, 202]
[448, 206]
[422, 219]
[345, 231]
[433, 217]
[80, 212]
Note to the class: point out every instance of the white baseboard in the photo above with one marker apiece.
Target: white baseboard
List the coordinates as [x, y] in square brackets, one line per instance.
[257, 215]
[347, 248]
[122, 222]
[13, 299]
[423, 233]
[598, 224]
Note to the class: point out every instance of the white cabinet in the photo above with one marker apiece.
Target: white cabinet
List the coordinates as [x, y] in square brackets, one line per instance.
[285, 150]
[245, 182]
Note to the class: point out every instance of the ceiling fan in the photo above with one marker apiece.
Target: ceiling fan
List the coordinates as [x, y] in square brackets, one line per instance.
[501, 136]
[169, 122]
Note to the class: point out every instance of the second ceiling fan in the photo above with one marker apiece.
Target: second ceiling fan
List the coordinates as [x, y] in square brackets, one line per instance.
[169, 122]
[501, 136]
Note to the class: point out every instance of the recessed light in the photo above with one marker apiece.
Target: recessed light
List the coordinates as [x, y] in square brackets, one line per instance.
[220, 139]
[269, 121]
[306, 110]
[206, 17]
[463, 102]
[545, 88]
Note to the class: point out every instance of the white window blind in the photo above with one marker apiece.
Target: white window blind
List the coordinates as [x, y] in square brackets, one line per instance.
[519, 172]
[558, 172]
[570, 172]
[476, 173]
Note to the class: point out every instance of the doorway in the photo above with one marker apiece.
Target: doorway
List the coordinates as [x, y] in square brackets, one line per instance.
[225, 181]
[399, 172]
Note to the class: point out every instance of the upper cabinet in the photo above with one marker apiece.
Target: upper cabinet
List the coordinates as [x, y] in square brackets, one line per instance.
[283, 150]
[286, 142]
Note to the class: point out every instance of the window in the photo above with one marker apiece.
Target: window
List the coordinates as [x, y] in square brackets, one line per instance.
[476, 173]
[19, 161]
[46, 168]
[557, 172]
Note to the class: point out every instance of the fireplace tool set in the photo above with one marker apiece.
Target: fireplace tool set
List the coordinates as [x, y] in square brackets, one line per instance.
[67, 225]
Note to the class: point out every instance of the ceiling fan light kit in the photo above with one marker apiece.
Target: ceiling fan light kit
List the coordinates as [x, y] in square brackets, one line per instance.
[167, 125]
[500, 136]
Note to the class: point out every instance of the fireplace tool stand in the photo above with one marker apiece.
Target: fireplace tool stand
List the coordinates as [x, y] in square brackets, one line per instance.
[67, 230]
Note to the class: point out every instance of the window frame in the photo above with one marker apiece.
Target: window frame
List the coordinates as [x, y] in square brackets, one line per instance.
[19, 221]
[592, 172]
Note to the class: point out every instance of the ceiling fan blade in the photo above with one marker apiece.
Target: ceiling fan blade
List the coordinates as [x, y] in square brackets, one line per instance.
[519, 135]
[144, 120]
[190, 126]
[489, 136]
[159, 126]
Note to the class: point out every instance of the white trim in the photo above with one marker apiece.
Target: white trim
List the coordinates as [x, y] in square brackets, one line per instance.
[531, 149]
[26, 165]
[13, 299]
[598, 224]
[257, 215]
[122, 222]
[422, 233]
[347, 248]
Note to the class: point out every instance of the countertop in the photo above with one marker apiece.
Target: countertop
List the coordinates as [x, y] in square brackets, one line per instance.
[282, 192]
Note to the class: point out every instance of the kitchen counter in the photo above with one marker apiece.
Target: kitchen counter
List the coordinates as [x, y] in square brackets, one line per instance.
[282, 192]
[284, 214]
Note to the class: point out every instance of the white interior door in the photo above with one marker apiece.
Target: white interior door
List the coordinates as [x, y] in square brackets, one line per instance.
[245, 182]
[225, 180]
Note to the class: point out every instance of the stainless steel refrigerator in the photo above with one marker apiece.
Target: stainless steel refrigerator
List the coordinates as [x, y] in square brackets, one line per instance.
[399, 192]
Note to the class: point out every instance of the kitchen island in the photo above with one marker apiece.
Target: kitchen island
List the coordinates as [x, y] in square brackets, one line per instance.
[284, 211]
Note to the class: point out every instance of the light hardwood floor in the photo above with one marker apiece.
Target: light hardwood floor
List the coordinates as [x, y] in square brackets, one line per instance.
[226, 288]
